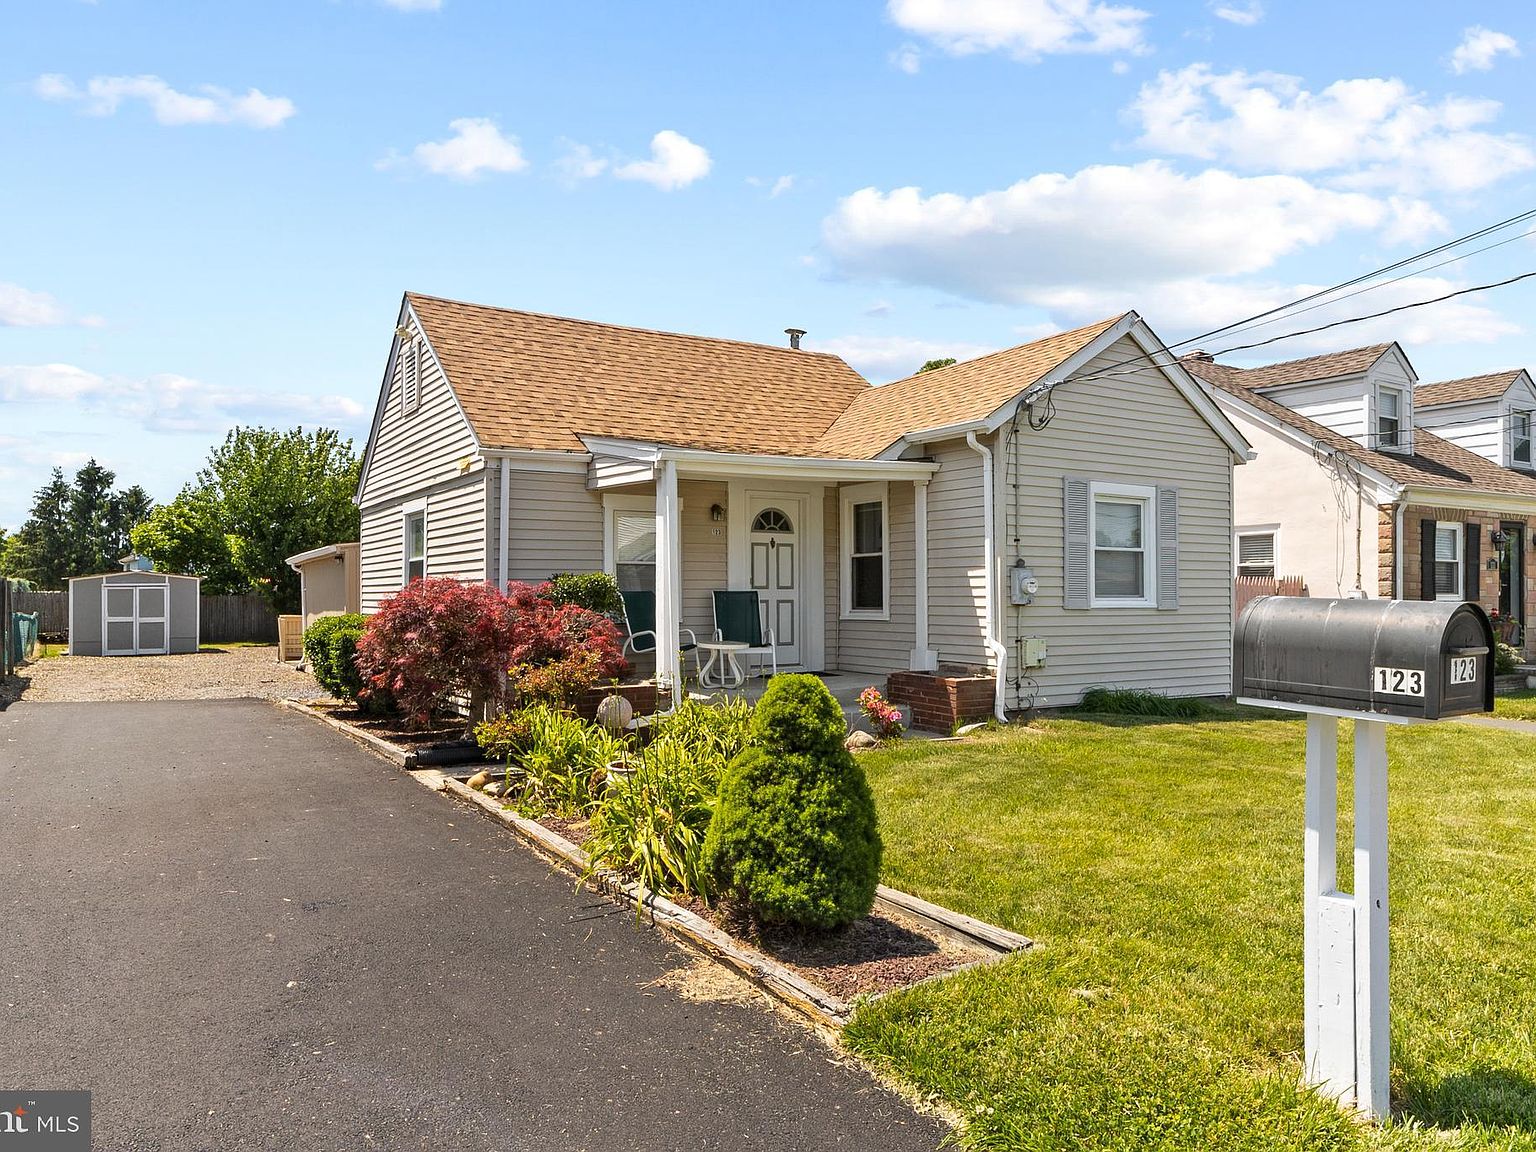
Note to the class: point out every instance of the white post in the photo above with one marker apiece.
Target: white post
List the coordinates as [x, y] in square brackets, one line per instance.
[923, 658]
[668, 595]
[1372, 1059]
[1321, 872]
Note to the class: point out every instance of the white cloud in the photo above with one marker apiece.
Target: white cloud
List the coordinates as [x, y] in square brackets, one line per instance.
[1024, 29]
[908, 59]
[782, 185]
[1364, 133]
[476, 146]
[1245, 15]
[103, 95]
[675, 162]
[880, 309]
[166, 402]
[578, 162]
[1479, 49]
[886, 358]
[1110, 225]
[22, 308]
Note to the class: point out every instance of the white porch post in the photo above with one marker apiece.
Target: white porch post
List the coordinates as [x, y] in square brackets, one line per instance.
[1372, 1062]
[923, 659]
[668, 590]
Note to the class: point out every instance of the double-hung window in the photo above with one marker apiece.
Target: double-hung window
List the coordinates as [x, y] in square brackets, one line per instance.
[866, 551]
[634, 549]
[1121, 531]
[1520, 439]
[1449, 561]
[415, 546]
[1389, 418]
[1256, 554]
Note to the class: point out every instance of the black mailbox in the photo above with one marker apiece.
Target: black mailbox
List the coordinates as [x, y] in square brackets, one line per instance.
[1425, 659]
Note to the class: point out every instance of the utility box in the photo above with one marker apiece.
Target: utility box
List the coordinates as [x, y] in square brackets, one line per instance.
[1415, 659]
[1034, 651]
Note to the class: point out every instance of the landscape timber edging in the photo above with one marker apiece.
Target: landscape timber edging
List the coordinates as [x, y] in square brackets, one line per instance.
[384, 748]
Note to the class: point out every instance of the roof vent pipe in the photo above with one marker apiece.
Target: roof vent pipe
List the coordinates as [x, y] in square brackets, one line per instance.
[794, 335]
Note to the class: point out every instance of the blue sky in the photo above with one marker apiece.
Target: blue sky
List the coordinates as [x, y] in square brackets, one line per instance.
[210, 210]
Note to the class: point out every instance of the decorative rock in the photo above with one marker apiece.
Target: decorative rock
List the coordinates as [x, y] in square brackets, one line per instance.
[493, 789]
[614, 712]
[478, 780]
[860, 741]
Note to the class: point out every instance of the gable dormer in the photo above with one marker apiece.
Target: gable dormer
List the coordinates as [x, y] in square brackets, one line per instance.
[1493, 415]
[1365, 394]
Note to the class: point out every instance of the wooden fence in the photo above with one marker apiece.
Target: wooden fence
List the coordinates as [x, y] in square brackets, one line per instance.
[1248, 588]
[225, 619]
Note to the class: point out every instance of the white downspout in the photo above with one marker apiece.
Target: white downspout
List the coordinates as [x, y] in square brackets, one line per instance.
[989, 582]
[1397, 549]
[503, 523]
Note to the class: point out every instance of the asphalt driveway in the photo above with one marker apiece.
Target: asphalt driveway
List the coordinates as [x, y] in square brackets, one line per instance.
[241, 931]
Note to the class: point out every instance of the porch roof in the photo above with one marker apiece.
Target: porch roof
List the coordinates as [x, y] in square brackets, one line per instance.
[616, 463]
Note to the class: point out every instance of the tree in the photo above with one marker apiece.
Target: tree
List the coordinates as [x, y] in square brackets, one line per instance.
[41, 551]
[130, 508]
[945, 362]
[263, 496]
[187, 536]
[92, 527]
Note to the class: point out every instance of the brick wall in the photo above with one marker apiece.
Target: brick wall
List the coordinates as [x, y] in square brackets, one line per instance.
[942, 702]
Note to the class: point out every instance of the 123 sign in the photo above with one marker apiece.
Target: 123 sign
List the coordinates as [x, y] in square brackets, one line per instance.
[1463, 669]
[1402, 681]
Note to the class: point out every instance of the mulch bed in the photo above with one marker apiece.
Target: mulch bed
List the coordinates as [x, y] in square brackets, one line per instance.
[881, 952]
[396, 729]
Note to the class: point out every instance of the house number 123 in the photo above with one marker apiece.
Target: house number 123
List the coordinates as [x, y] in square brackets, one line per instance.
[1400, 681]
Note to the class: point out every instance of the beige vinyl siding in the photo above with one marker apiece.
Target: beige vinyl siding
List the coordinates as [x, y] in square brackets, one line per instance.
[554, 523]
[879, 646]
[456, 539]
[956, 569]
[416, 450]
[1134, 429]
[703, 553]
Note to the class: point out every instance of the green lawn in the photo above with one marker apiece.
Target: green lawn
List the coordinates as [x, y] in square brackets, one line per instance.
[1158, 865]
[1517, 705]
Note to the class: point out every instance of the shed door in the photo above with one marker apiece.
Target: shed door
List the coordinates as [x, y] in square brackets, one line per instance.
[134, 620]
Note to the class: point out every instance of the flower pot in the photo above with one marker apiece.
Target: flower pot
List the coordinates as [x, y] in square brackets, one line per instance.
[620, 770]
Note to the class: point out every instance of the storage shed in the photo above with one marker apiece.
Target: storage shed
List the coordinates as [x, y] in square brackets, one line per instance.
[133, 614]
[328, 581]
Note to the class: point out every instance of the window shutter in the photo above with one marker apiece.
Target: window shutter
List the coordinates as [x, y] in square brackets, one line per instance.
[1472, 570]
[1426, 559]
[1075, 591]
[1167, 548]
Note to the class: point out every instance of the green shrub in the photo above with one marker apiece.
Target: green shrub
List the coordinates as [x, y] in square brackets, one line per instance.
[794, 835]
[1506, 659]
[595, 591]
[1139, 702]
[652, 823]
[330, 646]
[720, 730]
[505, 736]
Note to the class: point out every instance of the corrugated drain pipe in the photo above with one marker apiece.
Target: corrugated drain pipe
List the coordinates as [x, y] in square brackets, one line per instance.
[989, 583]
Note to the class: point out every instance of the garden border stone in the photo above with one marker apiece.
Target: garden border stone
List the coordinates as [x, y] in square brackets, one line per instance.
[779, 981]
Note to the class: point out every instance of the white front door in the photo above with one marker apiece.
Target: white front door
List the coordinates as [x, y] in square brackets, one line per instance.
[135, 620]
[774, 569]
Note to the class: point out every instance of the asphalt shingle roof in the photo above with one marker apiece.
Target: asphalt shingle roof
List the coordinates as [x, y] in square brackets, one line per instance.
[1467, 388]
[1435, 462]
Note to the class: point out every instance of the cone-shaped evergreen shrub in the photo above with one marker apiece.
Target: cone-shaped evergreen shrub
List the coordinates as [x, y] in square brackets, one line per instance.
[794, 835]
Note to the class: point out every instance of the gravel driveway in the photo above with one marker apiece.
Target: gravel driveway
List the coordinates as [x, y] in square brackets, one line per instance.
[213, 674]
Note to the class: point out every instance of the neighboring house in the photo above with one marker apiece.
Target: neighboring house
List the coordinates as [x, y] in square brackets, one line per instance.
[1490, 415]
[879, 525]
[1350, 492]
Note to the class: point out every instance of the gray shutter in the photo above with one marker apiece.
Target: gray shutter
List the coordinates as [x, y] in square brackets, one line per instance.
[1472, 570]
[1075, 590]
[1167, 548]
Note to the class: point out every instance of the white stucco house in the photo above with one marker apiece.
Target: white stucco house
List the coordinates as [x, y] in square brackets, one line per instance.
[880, 526]
[1352, 491]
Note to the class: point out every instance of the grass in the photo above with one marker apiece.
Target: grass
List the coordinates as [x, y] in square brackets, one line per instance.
[1517, 705]
[1158, 864]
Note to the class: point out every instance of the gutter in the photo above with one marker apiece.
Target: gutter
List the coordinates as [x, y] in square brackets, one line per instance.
[989, 583]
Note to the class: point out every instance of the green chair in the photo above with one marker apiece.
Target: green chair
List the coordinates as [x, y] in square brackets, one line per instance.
[739, 620]
[640, 627]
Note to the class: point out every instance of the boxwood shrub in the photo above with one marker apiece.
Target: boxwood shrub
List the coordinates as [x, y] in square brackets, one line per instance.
[330, 647]
[794, 837]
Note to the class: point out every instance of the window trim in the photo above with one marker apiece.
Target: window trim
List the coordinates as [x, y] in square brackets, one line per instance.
[1146, 496]
[1271, 530]
[1402, 438]
[1515, 414]
[850, 495]
[1460, 558]
[408, 513]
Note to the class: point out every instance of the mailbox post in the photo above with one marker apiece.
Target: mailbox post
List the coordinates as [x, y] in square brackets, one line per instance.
[1377, 662]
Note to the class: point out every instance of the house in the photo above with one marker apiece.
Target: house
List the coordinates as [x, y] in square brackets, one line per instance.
[1489, 414]
[1350, 491]
[883, 527]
